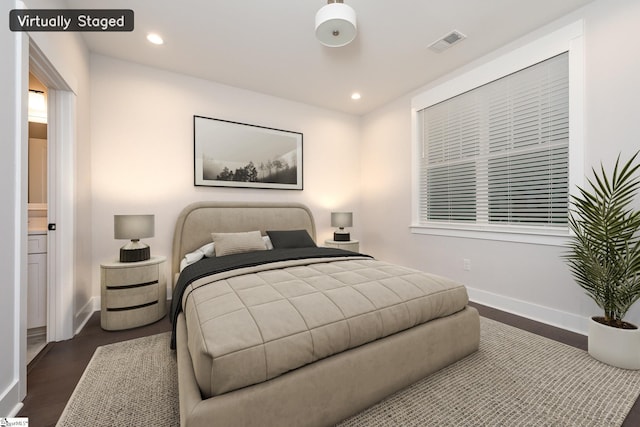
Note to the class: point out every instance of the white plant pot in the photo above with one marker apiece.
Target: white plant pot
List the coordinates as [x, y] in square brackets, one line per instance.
[614, 346]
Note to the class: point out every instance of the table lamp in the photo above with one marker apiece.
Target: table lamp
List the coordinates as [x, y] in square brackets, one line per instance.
[341, 220]
[133, 227]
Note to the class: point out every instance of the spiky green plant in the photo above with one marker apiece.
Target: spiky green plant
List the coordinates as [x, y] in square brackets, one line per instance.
[604, 255]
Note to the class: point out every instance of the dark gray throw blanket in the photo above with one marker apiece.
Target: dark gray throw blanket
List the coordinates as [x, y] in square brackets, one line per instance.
[208, 266]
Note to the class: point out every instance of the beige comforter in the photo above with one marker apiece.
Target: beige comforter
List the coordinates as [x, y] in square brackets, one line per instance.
[250, 325]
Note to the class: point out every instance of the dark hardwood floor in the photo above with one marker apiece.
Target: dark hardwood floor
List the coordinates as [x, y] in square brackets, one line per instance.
[54, 373]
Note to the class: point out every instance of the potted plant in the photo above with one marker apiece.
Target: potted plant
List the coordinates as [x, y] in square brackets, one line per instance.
[604, 259]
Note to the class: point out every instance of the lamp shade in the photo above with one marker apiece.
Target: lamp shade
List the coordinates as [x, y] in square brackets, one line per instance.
[336, 24]
[133, 227]
[341, 219]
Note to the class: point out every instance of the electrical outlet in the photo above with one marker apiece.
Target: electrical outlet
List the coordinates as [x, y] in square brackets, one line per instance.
[466, 264]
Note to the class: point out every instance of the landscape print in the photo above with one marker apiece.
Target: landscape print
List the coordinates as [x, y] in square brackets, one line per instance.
[232, 154]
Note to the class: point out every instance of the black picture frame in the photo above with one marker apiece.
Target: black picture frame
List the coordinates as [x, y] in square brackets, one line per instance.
[233, 154]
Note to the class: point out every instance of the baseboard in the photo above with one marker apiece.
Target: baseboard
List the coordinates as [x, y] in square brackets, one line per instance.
[549, 316]
[10, 403]
[84, 314]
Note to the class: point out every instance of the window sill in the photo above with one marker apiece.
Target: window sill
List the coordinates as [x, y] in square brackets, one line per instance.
[530, 235]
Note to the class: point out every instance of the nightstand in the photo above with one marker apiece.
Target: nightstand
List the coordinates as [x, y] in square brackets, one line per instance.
[351, 245]
[133, 293]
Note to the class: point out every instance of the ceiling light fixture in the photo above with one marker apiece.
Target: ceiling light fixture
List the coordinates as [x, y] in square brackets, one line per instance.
[355, 96]
[155, 38]
[336, 24]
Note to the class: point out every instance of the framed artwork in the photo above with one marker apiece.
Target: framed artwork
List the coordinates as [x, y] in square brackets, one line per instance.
[231, 154]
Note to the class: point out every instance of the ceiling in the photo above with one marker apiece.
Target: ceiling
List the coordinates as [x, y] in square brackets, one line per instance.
[270, 46]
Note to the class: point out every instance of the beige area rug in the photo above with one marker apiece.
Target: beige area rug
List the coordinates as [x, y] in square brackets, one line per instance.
[130, 383]
[515, 379]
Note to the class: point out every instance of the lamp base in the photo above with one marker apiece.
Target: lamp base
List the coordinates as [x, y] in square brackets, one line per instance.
[135, 252]
[341, 236]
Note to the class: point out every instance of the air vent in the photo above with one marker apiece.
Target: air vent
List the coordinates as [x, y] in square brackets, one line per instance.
[447, 41]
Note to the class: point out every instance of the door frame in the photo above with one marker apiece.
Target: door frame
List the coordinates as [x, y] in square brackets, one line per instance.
[61, 104]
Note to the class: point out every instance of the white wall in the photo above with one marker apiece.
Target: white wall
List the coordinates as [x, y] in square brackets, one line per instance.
[527, 279]
[142, 151]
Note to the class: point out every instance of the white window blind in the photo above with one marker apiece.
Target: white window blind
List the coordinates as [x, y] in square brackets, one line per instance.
[499, 154]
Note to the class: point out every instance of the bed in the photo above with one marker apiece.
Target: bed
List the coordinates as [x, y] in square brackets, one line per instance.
[308, 337]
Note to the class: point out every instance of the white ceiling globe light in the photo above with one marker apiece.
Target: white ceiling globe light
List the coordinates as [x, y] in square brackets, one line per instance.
[336, 24]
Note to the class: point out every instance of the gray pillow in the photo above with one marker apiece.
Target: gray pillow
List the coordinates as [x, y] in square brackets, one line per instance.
[290, 239]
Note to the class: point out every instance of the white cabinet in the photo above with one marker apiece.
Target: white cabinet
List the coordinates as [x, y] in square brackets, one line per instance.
[37, 281]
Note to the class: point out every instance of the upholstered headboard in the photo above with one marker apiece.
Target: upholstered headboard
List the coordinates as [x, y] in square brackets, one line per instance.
[198, 220]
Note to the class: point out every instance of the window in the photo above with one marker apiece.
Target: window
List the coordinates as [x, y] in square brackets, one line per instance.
[495, 156]
[499, 153]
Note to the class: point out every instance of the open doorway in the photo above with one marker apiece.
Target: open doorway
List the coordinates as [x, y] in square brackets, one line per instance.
[60, 245]
[37, 295]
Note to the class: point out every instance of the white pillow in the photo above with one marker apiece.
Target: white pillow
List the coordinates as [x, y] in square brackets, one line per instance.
[267, 242]
[207, 250]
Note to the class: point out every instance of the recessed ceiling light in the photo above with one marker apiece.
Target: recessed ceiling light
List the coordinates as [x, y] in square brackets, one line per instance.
[155, 38]
[355, 96]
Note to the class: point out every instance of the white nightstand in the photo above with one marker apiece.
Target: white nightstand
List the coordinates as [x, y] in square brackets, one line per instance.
[133, 293]
[351, 245]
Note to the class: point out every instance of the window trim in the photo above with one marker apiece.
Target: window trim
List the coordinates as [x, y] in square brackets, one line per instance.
[566, 39]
